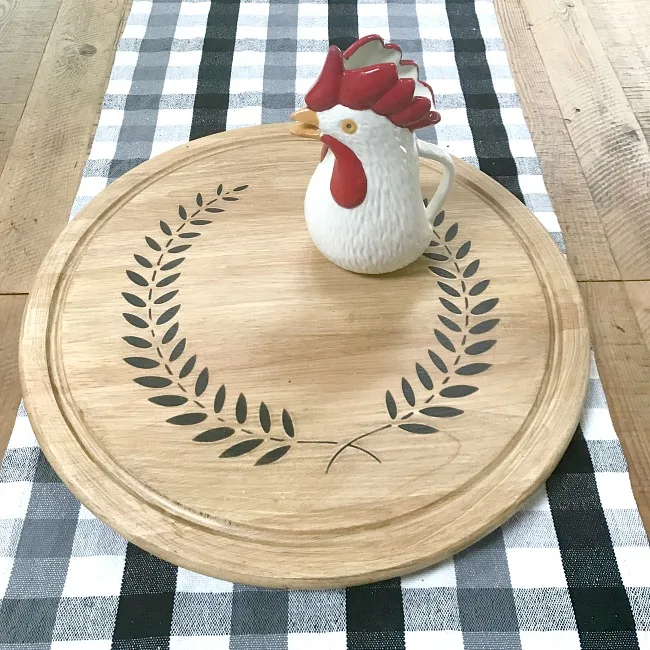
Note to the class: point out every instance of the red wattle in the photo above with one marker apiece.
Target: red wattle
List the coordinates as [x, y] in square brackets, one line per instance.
[349, 184]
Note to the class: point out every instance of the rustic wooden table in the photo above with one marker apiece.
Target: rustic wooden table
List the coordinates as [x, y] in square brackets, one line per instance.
[581, 69]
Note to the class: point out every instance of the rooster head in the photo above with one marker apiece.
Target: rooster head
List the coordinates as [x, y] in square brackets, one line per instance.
[362, 95]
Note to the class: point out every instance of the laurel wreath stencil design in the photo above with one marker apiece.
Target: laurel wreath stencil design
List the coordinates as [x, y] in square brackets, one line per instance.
[181, 383]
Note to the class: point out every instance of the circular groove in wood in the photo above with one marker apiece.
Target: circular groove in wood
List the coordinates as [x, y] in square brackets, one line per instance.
[320, 462]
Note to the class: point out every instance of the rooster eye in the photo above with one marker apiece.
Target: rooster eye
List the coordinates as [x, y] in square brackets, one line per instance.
[349, 126]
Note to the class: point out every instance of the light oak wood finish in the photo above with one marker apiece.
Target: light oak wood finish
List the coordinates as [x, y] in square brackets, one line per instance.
[584, 54]
[42, 171]
[605, 133]
[623, 357]
[25, 27]
[332, 457]
[11, 313]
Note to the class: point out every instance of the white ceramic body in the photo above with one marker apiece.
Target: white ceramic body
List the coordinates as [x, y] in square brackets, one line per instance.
[391, 228]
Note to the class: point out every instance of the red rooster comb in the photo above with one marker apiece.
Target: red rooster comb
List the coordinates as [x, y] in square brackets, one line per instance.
[371, 74]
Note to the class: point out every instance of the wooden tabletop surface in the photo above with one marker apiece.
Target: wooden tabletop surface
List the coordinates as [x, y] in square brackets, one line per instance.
[581, 70]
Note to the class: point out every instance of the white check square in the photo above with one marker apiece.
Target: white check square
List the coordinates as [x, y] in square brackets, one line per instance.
[555, 640]
[14, 499]
[316, 641]
[535, 568]
[615, 490]
[95, 576]
[634, 565]
[441, 575]
[433, 639]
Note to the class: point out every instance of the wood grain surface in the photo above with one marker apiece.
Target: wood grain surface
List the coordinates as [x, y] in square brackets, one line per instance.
[25, 27]
[293, 424]
[42, 171]
[605, 133]
[578, 55]
[11, 313]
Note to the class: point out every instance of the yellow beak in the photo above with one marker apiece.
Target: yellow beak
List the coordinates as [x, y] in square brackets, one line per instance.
[306, 124]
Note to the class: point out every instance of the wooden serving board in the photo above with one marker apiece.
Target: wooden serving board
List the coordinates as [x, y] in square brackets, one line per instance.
[215, 390]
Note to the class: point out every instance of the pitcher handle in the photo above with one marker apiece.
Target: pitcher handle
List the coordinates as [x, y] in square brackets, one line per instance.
[434, 152]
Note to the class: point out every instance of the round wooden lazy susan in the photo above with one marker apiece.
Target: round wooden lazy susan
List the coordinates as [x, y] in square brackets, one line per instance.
[224, 397]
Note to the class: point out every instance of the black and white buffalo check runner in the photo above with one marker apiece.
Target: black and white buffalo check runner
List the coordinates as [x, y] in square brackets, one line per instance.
[571, 570]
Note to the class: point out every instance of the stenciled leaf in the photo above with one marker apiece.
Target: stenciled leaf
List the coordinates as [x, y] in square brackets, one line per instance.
[471, 268]
[441, 411]
[182, 212]
[414, 427]
[199, 199]
[287, 424]
[437, 361]
[219, 399]
[189, 235]
[164, 226]
[443, 273]
[230, 198]
[167, 315]
[136, 301]
[391, 406]
[479, 287]
[153, 382]
[449, 289]
[480, 347]
[142, 362]
[451, 232]
[484, 326]
[444, 340]
[424, 377]
[265, 418]
[214, 210]
[214, 435]
[241, 409]
[460, 390]
[136, 278]
[473, 369]
[437, 257]
[440, 217]
[136, 321]
[137, 342]
[219, 189]
[152, 243]
[463, 250]
[165, 297]
[240, 188]
[165, 282]
[168, 400]
[143, 261]
[407, 389]
[273, 455]
[450, 306]
[242, 448]
[170, 334]
[179, 348]
[188, 366]
[172, 264]
[201, 382]
[186, 419]
[180, 249]
[200, 222]
[447, 322]
[485, 306]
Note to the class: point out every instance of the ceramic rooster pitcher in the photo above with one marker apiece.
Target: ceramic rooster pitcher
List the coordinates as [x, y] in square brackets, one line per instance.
[363, 205]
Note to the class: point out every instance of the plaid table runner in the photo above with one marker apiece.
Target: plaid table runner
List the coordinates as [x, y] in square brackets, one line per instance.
[570, 570]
